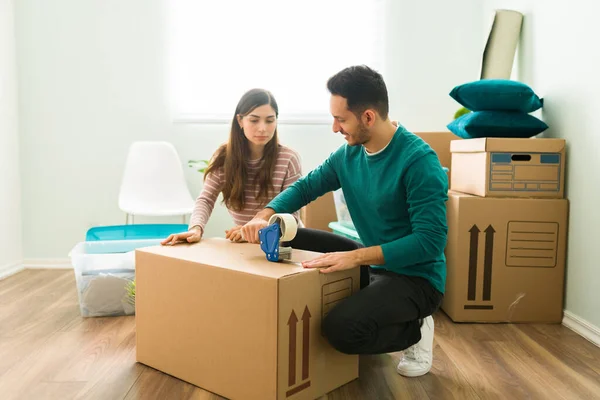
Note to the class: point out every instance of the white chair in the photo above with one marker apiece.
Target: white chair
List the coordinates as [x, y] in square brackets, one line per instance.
[153, 182]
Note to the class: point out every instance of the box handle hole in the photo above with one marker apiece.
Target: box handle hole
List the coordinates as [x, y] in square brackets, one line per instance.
[521, 157]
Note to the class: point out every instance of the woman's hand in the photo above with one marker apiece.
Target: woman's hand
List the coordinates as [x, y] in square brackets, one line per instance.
[234, 234]
[192, 236]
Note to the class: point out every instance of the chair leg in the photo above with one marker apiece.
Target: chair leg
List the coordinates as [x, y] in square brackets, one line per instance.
[126, 219]
[132, 219]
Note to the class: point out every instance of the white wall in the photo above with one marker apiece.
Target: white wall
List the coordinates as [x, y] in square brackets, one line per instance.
[10, 189]
[93, 80]
[433, 46]
[559, 58]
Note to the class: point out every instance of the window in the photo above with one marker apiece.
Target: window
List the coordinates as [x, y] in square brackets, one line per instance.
[219, 49]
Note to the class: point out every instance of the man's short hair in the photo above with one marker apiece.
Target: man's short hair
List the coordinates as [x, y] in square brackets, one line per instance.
[362, 87]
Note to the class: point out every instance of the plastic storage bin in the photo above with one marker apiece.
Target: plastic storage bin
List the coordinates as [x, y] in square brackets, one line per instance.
[342, 230]
[103, 269]
[341, 209]
[133, 232]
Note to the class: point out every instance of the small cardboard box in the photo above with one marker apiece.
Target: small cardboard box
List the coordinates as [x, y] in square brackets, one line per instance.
[502, 167]
[505, 259]
[220, 316]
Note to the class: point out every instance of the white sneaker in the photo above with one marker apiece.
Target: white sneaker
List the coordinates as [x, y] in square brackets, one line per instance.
[417, 359]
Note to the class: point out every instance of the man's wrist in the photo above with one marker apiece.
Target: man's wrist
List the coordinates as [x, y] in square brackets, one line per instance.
[369, 256]
[265, 214]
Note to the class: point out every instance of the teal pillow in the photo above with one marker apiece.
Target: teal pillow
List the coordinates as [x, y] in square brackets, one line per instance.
[497, 95]
[497, 124]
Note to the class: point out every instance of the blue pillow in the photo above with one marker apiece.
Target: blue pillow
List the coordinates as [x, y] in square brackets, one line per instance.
[497, 124]
[497, 95]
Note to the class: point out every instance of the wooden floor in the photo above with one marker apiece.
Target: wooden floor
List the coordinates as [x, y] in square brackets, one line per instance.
[47, 351]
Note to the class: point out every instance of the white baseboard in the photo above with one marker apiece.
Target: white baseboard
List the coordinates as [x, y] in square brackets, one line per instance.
[10, 269]
[47, 263]
[582, 327]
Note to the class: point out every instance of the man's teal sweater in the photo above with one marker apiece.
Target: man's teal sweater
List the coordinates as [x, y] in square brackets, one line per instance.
[396, 198]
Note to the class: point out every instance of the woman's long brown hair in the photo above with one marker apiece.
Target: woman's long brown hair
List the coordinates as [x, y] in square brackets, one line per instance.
[234, 155]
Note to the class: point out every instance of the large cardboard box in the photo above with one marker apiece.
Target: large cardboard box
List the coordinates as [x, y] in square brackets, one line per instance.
[218, 315]
[319, 213]
[505, 259]
[502, 167]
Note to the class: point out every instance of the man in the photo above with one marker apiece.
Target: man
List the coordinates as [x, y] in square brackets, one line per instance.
[395, 190]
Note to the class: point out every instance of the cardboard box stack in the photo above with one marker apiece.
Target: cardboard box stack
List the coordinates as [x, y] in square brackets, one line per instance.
[507, 221]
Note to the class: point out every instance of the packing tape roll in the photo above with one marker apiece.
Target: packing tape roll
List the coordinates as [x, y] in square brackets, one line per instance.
[288, 225]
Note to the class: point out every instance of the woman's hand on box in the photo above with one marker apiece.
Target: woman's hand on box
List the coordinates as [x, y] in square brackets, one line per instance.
[234, 234]
[192, 236]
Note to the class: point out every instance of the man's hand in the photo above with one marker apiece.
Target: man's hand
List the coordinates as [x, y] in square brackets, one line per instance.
[250, 230]
[234, 234]
[331, 262]
[192, 236]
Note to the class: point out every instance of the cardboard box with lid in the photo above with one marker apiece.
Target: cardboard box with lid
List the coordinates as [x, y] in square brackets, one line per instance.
[504, 167]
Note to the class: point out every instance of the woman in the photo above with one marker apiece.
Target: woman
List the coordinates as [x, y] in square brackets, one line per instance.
[250, 170]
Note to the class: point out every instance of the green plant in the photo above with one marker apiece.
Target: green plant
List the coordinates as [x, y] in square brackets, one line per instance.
[462, 111]
[201, 165]
[130, 288]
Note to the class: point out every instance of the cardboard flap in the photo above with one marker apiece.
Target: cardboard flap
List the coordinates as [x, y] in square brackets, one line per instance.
[509, 145]
[241, 257]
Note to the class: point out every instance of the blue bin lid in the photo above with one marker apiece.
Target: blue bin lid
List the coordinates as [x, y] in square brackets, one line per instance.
[133, 232]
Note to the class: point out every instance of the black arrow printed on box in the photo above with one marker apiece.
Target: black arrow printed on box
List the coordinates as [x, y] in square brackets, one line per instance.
[292, 326]
[473, 262]
[292, 322]
[305, 342]
[487, 263]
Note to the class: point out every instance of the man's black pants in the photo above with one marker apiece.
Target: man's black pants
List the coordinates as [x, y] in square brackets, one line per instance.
[384, 315]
